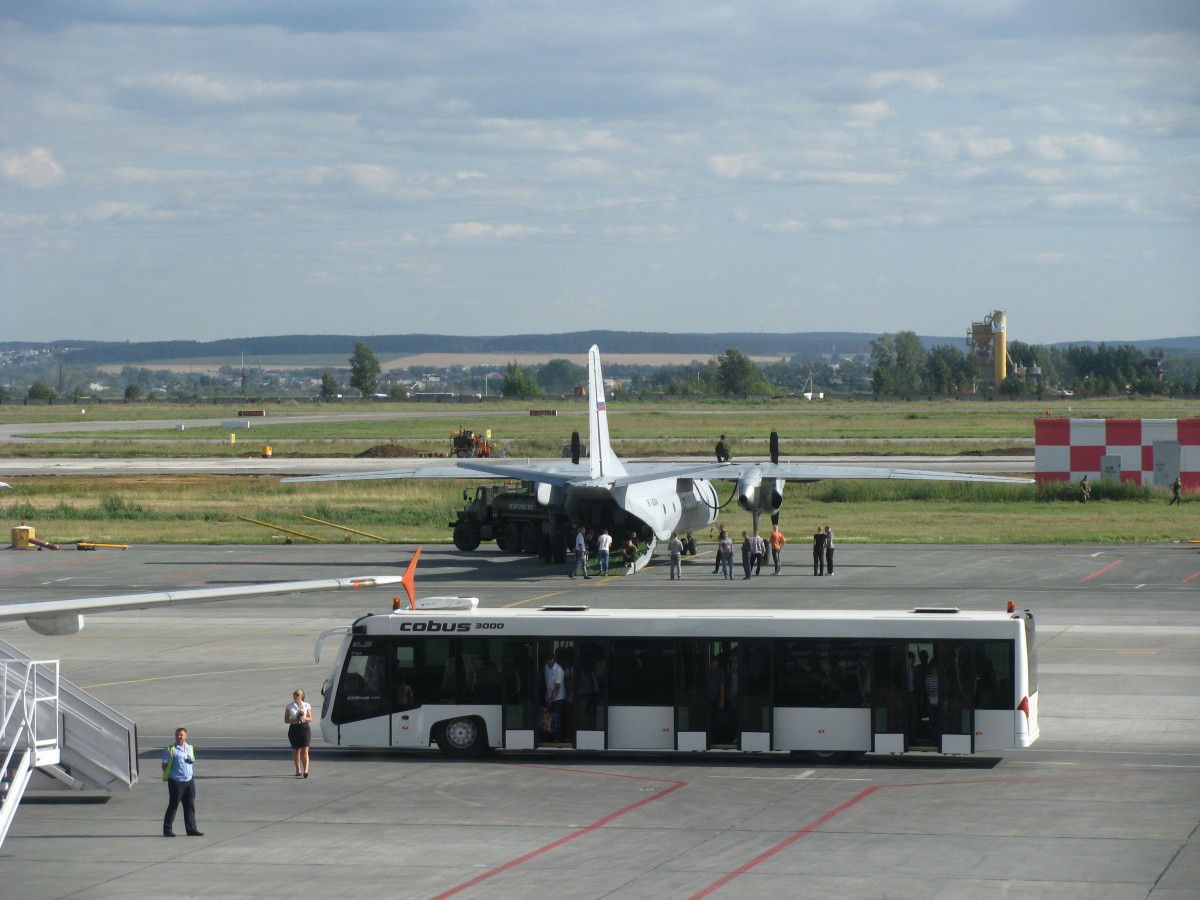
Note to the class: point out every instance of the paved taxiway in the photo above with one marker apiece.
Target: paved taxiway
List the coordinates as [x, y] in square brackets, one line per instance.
[1106, 804]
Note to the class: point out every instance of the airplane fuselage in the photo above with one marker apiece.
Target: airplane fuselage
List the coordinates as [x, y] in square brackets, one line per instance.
[650, 508]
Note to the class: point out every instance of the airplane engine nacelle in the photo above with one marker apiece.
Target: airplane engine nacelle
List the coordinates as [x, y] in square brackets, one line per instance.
[758, 494]
[54, 626]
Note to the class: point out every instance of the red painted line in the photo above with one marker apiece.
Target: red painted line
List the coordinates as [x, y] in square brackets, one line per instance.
[1191, 577]
[1100, 571]
[863, 795]
[599, 823]
[787, 842]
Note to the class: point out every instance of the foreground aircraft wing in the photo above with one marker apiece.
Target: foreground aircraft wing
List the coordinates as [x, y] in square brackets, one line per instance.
[57, 617]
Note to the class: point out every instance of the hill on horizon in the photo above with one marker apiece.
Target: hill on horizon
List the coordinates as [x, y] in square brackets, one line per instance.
[757, 344]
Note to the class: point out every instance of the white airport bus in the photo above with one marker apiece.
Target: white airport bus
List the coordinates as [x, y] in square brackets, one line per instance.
[828, 684]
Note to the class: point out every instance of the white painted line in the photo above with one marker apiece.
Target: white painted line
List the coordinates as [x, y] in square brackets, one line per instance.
[1157, 766]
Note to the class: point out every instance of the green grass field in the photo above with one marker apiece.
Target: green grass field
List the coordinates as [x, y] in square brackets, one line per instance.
[205, 509]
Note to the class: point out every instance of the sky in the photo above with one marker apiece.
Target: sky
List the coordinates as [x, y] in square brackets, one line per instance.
[178, 169]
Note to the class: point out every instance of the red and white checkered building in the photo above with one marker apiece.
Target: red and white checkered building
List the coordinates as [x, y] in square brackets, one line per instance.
[1145, 451]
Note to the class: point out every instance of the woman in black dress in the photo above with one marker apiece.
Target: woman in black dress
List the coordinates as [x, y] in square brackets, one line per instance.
[298, 715]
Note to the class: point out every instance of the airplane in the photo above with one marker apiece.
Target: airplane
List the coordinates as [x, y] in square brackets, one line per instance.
[650, 499]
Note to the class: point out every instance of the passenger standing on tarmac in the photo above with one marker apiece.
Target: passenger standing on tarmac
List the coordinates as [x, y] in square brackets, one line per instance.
[725, 555]
[298, 715]
[747, 553]
[717, 562]
[828, 551]
[760, 552]
[580, 563]
[603, 550]
[819, 552]
[178, 762]
[675, 549]
[777, 540]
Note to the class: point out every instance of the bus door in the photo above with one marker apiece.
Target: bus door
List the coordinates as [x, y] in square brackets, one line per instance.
[750, 679]
[954, 719]
[556, 720]
[589, 694]
[891, 697]
[704, 718]
[919, 654]
[521, 684]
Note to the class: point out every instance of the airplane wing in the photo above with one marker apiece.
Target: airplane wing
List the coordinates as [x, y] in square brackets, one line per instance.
[548, 471]
[800, 472]
[57, 617]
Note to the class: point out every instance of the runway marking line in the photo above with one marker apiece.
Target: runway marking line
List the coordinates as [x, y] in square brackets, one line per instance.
[55, 565]
[1191, 577]
[91, 687]
[864, 794]
[1111, 565]
[586, 830]
[531, 599]
[227, 565]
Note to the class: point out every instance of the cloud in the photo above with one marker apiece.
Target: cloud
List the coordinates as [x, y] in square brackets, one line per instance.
[476, 231]
[37, 169]
[925, 82]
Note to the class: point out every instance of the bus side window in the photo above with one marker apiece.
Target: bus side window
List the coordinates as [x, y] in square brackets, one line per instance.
[994, 675]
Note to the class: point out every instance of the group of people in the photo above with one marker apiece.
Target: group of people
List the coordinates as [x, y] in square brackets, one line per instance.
[589, 544]
[1085, 490]
[822, 550]
[179, 765]
[755, 551]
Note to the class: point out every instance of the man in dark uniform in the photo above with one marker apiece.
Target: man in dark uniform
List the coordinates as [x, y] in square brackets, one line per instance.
[722, 450]
[819, 542]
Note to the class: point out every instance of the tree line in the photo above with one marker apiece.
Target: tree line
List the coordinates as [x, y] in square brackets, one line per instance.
[899, 365]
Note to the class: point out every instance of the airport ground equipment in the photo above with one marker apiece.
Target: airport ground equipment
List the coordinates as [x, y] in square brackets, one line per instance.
[348, 531]
[510, 514]
[466, 444]
[287, 531]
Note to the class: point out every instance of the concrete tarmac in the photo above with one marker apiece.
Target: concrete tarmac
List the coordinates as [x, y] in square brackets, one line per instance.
[1105, 805]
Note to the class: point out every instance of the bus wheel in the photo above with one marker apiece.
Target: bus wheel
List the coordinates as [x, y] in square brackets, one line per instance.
[462, 737]
[828, 757]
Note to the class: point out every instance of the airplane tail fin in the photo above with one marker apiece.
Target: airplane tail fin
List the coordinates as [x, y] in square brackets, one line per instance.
[603, 462]
[408, 581]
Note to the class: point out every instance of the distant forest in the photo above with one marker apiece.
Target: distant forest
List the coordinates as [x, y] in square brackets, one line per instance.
[804, 345]
[900, 364]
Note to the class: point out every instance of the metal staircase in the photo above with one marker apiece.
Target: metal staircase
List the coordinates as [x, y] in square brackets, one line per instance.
[50, 726]
[28, 729]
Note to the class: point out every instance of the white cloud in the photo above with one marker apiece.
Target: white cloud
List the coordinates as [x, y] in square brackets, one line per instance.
[37, 169]
[932, 141]
[869, 115]
[196, 87]
[476, 231]
[926, 82]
